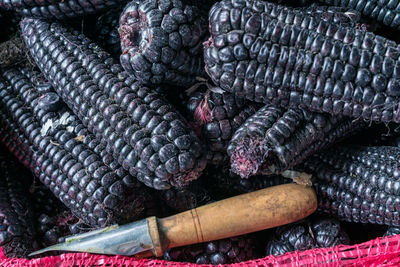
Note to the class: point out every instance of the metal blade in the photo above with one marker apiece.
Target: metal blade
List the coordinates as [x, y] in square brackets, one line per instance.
[127, 240]
[51, 248]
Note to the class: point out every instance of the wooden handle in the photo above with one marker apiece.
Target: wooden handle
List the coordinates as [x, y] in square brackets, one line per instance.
[259, 210]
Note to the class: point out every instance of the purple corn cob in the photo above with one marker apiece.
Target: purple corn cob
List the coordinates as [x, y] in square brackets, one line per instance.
[12, 137]
[358, 184]
[161, 41]
[274, 54]
[17, 235]
[58, 9]
[144, 133]
[15, 141]
[274, 139]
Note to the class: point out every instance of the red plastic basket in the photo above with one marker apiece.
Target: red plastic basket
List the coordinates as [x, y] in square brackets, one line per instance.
[378, 252]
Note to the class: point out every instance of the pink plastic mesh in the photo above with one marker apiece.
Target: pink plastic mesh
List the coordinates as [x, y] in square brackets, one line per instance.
[378, 252]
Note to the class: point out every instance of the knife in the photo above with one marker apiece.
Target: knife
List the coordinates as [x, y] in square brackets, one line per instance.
[251, 212]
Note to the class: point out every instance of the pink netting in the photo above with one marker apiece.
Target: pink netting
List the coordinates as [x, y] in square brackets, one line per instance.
[378, 252]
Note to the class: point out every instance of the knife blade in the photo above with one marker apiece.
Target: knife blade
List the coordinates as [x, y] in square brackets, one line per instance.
[126, 240]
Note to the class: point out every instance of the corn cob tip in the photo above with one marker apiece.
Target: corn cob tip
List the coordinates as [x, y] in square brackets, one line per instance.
[184, 179]
[132, 22]
[248, 156]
